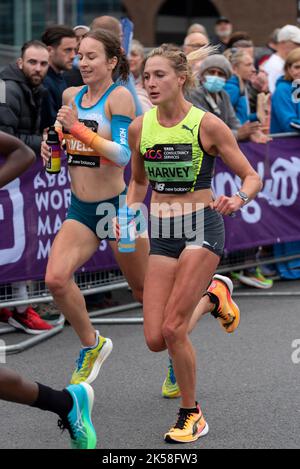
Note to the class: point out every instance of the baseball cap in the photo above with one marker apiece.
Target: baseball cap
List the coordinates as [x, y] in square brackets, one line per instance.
[289, 33]
[222, 19]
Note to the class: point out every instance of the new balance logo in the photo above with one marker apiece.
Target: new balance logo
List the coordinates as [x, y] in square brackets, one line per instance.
[159, 187]
[185, 127]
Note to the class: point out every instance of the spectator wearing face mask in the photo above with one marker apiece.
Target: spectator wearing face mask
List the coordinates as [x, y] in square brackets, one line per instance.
[211, 96]
[223, 31]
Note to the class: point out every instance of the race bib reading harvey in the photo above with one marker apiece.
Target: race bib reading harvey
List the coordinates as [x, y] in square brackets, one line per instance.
[170, 168]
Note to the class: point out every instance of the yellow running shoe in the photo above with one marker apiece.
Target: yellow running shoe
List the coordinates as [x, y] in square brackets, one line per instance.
[226, 311]
[170, 388]
[90, 361]
[190, 426]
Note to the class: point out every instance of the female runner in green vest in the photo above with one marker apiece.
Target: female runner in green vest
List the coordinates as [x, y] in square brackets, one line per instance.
[174, 147]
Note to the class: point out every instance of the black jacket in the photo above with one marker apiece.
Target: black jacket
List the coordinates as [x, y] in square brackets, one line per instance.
[55, 85]
[20, 114]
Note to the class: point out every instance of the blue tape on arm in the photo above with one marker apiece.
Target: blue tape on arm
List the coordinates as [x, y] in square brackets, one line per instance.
[119, 133]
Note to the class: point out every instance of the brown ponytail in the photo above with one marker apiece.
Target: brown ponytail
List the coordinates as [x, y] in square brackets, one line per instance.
[123, 67]
[112, 47]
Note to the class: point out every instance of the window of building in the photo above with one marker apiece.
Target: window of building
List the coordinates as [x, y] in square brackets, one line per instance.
[176, 16]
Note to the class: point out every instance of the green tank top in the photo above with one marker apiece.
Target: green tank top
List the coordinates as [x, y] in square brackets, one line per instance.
[174, 159]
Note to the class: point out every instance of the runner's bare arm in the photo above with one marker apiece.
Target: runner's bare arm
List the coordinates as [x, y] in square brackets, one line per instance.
[121, 108]
[217, 139]
[18, 157]
[139, 182]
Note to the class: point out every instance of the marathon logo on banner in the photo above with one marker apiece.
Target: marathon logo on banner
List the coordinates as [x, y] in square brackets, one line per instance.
[32, 211]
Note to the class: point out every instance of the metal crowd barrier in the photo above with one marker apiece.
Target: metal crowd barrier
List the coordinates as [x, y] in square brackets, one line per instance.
[89, 283]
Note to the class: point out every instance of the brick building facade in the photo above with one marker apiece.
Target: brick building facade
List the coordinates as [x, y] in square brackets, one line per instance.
[258, 17]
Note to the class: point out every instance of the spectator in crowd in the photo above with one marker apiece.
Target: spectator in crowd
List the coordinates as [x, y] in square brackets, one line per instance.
[262, 54]
[136, 64]
[111, 24]
[238, 36]
[243, 71]
[285, 116]
[62, 46]
[20, 117]
[197, 28]
[191, 44]
[73, 77]
[80, 30]
[20, 114]
[136, 60]
[241, 40]
[210, 95]
[257, 86]
[223, 31]
[273, 40]
[259, 96]
[237, 88]
[288, 39]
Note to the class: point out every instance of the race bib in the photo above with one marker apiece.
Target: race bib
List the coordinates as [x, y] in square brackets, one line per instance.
[169, 168]
[78, 153]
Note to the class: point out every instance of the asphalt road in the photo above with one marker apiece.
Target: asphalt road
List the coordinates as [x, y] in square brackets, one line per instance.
[248, 385]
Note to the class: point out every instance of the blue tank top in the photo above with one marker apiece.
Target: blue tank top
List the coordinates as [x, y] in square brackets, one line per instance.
[95, 119]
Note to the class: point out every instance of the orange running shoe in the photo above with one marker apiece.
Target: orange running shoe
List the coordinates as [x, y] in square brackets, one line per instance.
[190, 426]
[226, 310]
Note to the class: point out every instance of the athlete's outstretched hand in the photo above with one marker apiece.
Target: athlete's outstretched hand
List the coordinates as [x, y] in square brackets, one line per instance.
[67, 116]
[227, 205]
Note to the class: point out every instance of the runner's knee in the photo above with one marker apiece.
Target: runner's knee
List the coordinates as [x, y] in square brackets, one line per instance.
[172, 332]
[56, 281]
[154, 343]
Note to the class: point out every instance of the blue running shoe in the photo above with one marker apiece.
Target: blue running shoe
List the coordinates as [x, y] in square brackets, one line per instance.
[170, 388]
[90, 361]
[79, 422]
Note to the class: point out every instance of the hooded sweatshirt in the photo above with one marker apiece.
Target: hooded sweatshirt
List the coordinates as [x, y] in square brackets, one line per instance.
[20, 113]
[239, 100]
[285, 115]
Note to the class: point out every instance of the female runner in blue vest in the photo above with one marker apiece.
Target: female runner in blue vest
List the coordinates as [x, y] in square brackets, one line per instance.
[95, 120]
[174, 147]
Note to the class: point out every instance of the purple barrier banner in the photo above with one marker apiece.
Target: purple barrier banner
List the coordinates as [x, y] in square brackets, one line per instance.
[33, 207]
[274, 216]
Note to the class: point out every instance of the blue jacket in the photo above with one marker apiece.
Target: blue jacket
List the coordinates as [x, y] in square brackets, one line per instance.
[285, 115]
[239, 101]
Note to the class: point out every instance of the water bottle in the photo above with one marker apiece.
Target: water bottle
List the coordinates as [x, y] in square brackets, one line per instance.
[53, 166]
[127, 229]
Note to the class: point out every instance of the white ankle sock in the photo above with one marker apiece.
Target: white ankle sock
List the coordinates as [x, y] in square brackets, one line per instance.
[96, 343]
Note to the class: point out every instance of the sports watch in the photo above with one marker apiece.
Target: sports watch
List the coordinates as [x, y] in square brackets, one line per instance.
[243, 196]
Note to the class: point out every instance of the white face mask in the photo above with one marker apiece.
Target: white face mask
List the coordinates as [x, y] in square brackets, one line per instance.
[214, 84]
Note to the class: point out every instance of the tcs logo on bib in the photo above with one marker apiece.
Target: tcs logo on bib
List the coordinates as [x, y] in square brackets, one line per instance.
[152, 154]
